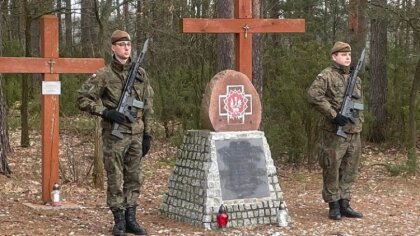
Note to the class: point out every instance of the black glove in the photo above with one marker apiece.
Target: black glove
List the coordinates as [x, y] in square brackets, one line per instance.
[113, 116]
[147, 139]
[341, 120]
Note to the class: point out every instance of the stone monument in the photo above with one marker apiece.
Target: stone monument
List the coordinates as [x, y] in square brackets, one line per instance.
[228, 162]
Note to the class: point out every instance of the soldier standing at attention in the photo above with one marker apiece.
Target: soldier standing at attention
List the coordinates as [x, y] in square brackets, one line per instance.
[100, 95]
[339, 157]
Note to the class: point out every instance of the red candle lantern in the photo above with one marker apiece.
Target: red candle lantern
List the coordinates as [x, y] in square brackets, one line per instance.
[222, 217]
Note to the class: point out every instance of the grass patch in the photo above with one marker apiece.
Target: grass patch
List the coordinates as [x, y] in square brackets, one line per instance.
[300, 178]
[396, 169]
[79, 124]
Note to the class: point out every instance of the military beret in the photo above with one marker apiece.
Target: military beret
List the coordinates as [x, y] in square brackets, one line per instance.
[341, 47]
[119, 35]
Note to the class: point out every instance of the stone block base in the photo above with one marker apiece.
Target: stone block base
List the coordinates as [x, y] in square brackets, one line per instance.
[230, 168]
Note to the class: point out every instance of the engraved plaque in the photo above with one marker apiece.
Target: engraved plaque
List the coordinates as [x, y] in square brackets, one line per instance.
[242, 168]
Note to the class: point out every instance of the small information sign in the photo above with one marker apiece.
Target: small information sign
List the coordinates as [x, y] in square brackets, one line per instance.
[51, 87]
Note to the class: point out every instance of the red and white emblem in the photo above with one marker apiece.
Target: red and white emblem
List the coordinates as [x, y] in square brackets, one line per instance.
[235, 104]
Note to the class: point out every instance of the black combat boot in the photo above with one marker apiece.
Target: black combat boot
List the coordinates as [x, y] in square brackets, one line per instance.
[347, 211]
[132, 225]
[334, 212]
[119, 219]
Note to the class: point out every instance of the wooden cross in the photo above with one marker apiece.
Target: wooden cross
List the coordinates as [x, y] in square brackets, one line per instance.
[50, 65]
[243, 26]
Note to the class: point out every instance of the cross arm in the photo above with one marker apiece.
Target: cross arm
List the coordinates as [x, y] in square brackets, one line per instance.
[19, 65]
[194, 25]
[78, 66]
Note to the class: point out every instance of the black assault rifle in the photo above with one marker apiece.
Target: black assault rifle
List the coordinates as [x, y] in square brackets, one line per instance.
[349, 108]
[127, 101]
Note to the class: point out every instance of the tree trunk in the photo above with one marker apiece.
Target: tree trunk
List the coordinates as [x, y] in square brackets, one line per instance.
[412, 129]
[102, 12]
[225, 42]
[98, 175]
[24, 116]
[273, 12]
[139, 22]
[378, 88]
[86, 28]
[117, 3]
[357, 27]
[87, 22]
[98, 165]
[126, 17]
[257, 52]
[4, 137]
[60, 23]
[69, 27]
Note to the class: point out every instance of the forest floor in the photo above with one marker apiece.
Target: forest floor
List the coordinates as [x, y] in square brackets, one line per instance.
[390, 204]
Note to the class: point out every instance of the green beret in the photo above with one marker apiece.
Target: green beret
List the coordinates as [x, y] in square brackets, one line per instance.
[119, 35]
[341, 47]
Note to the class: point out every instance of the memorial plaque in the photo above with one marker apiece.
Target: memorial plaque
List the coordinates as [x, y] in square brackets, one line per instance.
[242, 168]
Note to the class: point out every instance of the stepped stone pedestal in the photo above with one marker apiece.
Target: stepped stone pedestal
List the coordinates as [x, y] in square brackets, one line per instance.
[230, 168]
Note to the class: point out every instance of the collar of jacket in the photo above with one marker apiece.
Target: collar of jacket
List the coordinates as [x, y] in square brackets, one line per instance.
[118, 67]
[340, 68]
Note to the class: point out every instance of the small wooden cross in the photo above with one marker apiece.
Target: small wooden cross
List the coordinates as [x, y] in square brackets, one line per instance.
[246, 28]
[243, 26]
[50, 65]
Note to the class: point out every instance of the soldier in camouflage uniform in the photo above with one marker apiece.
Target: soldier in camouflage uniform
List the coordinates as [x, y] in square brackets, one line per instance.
[339, 157]
[100, 95]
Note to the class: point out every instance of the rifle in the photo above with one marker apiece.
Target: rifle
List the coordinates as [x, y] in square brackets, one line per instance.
[349, 106]
[127, 101]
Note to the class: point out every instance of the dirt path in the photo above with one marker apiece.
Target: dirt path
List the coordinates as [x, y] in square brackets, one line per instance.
[390, 204]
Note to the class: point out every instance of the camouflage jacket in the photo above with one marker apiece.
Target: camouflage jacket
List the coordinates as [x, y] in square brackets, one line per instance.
[326, 95]
[103, 91]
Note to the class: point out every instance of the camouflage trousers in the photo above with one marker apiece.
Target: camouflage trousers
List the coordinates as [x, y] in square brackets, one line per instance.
[122, 162]
[339, 159]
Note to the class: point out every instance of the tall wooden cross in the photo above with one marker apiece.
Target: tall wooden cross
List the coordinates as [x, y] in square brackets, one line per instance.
[50, 65]
[243, 26]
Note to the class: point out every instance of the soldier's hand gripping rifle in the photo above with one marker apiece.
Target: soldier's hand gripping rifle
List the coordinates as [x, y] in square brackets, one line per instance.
[349, 108]
[127, 101]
